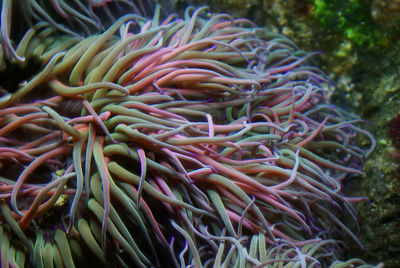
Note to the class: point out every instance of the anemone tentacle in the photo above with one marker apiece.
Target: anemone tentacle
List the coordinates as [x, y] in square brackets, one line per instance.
[203, 131]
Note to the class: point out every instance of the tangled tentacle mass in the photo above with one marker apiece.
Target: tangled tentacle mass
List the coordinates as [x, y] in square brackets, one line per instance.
[200, 141]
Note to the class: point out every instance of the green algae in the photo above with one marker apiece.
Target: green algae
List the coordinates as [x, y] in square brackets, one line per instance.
[351, 20]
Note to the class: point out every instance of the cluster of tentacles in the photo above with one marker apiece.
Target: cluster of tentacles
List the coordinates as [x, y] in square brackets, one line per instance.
[200, 141]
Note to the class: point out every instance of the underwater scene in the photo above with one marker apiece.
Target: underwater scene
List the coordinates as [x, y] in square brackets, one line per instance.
[218, 133]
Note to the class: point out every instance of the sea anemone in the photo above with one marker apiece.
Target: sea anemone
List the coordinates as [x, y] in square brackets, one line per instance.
[74, 18]
[202, 140]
